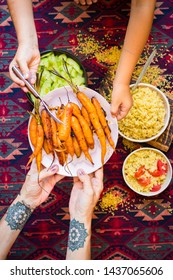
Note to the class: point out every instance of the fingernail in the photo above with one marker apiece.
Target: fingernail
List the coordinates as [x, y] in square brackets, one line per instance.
[54, 168]
[32, 80]
[81, 172]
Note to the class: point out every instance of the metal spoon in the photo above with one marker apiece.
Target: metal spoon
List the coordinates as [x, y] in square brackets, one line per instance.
[147, 64]
[34, 92]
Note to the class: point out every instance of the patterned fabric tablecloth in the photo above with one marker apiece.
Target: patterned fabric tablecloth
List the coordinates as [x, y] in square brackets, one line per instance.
[140, 228]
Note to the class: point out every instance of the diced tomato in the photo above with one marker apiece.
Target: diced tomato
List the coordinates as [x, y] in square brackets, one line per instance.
[144, 181]
[161, 166]
[140, 171]
[156, 173]
[156, 188]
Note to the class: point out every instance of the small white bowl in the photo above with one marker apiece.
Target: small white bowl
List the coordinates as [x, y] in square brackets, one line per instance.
[166, 181]
[166, 120]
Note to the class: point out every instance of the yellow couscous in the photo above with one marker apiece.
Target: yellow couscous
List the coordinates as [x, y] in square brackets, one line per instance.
[110, 202]
[145, 170]
[146, 117]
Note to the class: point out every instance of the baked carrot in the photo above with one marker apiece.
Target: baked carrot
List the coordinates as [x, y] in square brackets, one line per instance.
[76, 146]
[45, 146]
[85, 115]
[65, 128]
[59, 112]
[84, 125]
[45, 117]
[61, 153]
[39, 142]
[36, 135]
[33, 130]
[38, 160]
[54, 132]
[76, 109]
[86, 102]
[69, 146]
[86, 131]
[103, 121]
[60, 150]
[61, 157]
[80, 137]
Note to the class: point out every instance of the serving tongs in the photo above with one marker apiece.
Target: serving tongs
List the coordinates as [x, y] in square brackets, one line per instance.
[34, 92]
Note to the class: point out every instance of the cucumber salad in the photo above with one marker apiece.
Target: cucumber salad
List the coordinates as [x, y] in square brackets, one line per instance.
[49, 81]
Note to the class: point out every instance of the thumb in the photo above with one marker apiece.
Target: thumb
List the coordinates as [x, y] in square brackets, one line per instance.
[114, 110]
[85, 179]
[122, 112]
[32, 76]
[121, 115]
[47, 172]
[24, 68]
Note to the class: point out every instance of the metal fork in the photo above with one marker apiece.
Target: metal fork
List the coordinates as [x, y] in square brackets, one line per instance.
[34, 92]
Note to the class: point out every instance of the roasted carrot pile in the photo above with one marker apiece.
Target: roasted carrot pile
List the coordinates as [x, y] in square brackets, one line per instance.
[75, 136]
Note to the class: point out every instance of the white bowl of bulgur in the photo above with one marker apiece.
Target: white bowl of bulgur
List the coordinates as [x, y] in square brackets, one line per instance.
[149, 115]
[147, 171]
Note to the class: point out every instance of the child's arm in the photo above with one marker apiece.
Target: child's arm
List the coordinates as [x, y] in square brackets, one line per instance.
[27, 56]
[139, 26]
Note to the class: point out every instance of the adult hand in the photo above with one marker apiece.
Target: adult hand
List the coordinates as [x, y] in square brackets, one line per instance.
[27, 58]
[121, 101]
[37, 188]
[85, 194]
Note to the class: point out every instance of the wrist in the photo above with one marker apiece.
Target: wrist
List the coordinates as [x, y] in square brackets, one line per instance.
[121, 78]
[31, 42]
[82, 219]
[121, 83]
[17, 214]
[25, 200]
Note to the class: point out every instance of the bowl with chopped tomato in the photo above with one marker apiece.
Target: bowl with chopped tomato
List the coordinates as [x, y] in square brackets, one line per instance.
[147, 171]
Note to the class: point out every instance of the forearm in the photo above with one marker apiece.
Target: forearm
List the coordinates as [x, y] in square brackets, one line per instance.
[139, 26]
[22, 15]
[12, 223]
[79, 240]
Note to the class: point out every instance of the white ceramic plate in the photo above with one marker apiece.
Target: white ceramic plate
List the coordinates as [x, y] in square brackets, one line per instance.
[165, 183]
[52, 99]
[166, 120]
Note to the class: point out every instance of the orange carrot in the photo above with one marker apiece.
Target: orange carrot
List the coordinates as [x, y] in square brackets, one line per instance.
[69, 146]
[85, 115]
[86, 131]
[80, 137]
[45, 117]
[45, 146]
[84, 125]
[59, 113]
[86, 102]
[103, 121]
[38, 160]
[33, 130]
[76, 146]
[39, 142]
[76, 109]
[65, 128]
[54, 132]
[61, 157]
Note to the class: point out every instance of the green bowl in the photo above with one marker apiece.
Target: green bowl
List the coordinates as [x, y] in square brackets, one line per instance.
[51, 57]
